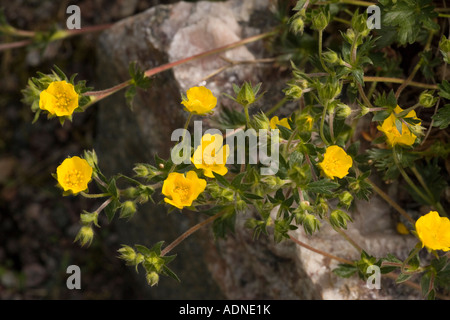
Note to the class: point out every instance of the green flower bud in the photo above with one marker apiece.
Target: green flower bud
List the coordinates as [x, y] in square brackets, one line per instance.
[346, 199]
[85, 235]
[444, 46]
[297, 24]
[364, 111]
[310, 224]
[320, 20]
[343, 111]
[322, 207]
[88, 218]
[228, 194]
[305, 205]
[339, 218]
[330, 57]
[294, 92]
[152, 278]
[427, 99]
[145, 170]
[247, 94]
[127, 210]
[91, 158]
[128, 254]
[260, 121]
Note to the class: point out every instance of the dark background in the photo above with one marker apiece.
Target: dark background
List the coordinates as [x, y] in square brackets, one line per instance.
[38, 225]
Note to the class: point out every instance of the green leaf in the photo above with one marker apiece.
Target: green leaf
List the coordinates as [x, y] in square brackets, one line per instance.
[220, 179]
[345, 270]
[403, 277]
[444, 89]
[323, 186]
[111, 209]
[442, 117]
[167, 272]
[142, 249]
[381, 115]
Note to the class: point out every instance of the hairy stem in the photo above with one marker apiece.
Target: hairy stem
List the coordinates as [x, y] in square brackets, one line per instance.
[192, 230]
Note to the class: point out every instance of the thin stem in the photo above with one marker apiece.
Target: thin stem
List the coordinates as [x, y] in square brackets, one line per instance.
[346, 237]
[247, 116]
[99, 95]
[400, 81]
[322, 122]
[416, 67]
[12, 45]
[186, 125]
[100, 182]
[421, 180]
[407, 178]
[277, 106]
[320, 52]
[325, 254]
[93, 196]
[313, 173]
[104, 205]
[288, 145]
[393, 204]
[331, 125]
[192, 230]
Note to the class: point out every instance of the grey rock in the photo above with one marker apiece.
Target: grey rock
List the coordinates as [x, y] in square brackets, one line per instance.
[237, 267]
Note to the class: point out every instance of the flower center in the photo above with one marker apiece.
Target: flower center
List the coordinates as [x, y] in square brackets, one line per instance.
[62, 102]
[183, 192]
[73, 178]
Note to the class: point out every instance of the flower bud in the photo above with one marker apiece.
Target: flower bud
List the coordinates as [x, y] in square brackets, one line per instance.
[310, 224]
[330, 57]
[297, 25]
[364, 111]
[85, 235]
[128, 254]
[343, 111]
[320, 20]
[294, 92]
[152, 278]
[339, 218]
[88, 218]
[427, 99]
[127, 210]
[305, 205]
[246, 95]
[345, 199]
[228, 194]
[444, 46]
[145, 170]
[91, 158]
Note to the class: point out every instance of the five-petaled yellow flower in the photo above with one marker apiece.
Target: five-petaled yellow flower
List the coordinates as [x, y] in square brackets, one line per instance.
[336, 162]
[434, 231]
[275, 121]
[200, 100]
[181, 190]
[211, 155]
[74, 174]
[60, 99]
[393, 135]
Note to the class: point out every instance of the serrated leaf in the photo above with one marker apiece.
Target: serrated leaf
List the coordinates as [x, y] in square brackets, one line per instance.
[442, 117]
[323, 186]
[345, 270]
[402, 277]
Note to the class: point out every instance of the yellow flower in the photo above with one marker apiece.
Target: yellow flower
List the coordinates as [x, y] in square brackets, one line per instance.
[181, 190]
[60, 99]
[434, 231]
[393, 135]
[74, 174]
[211, 155]
[283, 122]
[200, 100]
[336, 162]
